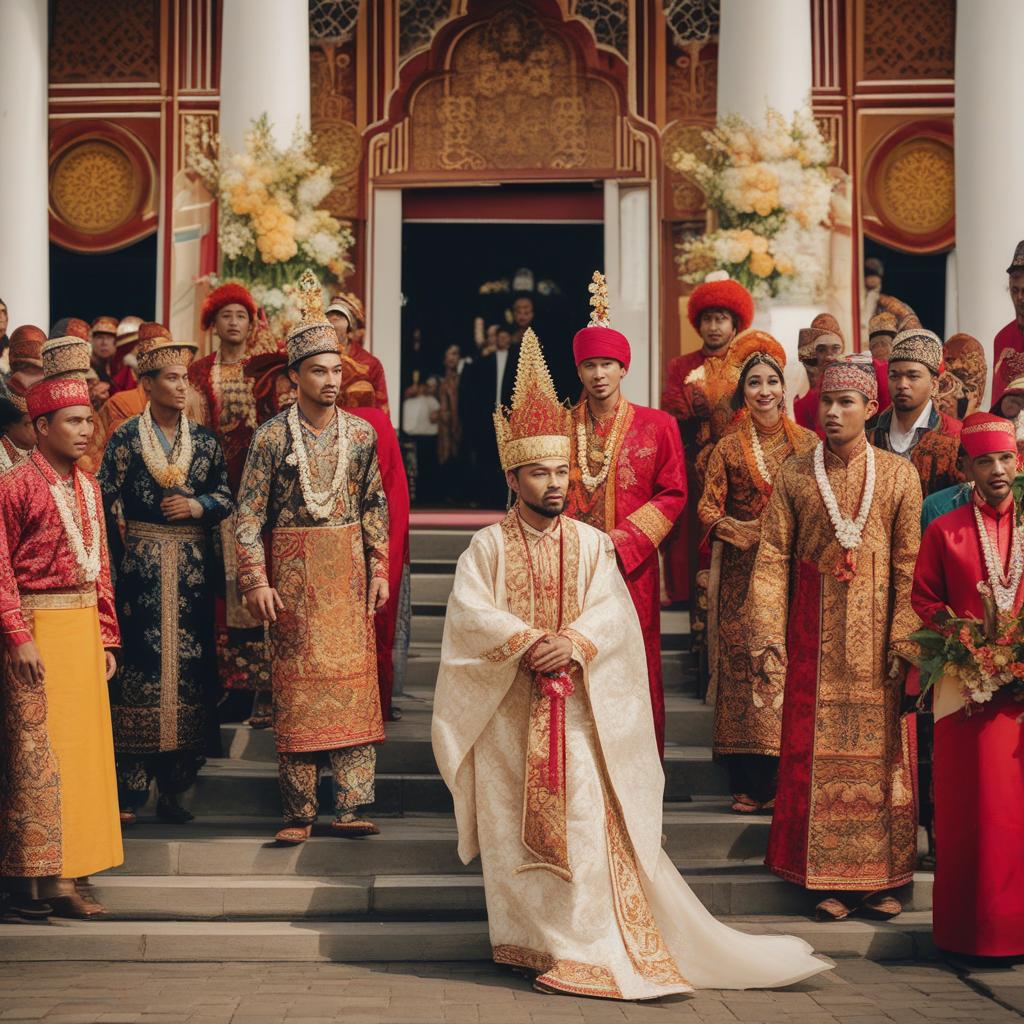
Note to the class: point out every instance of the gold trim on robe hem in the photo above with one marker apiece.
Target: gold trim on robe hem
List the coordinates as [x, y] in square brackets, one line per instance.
[569, 976]
[545, 829]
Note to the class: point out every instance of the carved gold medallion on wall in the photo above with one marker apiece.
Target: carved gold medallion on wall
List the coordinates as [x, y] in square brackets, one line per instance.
[910, 200]
[94, 187]
[102, 187]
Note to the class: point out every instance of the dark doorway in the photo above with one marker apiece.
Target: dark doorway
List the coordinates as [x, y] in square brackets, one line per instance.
[120, 283]
[457, 279]
[445, 266]
[918, 279]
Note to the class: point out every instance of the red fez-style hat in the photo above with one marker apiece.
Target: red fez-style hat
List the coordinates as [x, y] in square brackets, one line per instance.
[600, 343]
[983, 433]
[52, 394]
[223, 296]
[598, 340]
[26, 348]
[721, 293]
[72, 327]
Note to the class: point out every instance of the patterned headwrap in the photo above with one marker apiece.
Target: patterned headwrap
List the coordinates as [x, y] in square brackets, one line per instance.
[757, 346]
[51, 394]
[314, 334]
[105, 325]
[349, 306]
[883, 323]
[847, 375]
[157, 349]
[966, 358]
[985, 434]
[917, 346]
[26, 347]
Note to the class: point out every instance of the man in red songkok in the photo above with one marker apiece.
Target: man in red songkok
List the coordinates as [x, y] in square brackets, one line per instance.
[978, 903]
[697, 391]
[626, 476]
[346, 315]
[58, 806]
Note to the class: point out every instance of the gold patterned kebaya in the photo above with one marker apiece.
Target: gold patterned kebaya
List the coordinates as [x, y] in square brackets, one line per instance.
[738, 484]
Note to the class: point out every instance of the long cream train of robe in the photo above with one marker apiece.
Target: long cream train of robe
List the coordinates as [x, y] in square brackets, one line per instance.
[626, 925]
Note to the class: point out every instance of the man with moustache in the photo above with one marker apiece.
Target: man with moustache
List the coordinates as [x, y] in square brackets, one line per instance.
[830, 626]
[913, 427]
[312, 479]
[543, 732]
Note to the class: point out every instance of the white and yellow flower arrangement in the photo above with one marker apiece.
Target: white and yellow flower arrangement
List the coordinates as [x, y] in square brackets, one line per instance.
[271, 225]
[771, 192]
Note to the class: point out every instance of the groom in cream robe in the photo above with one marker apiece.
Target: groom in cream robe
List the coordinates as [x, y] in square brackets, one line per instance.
[543, 731]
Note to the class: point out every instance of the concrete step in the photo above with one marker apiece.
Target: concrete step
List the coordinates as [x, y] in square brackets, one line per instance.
[908, 937]
[702, 831]
[724, 888]
[237, 787]
[427, 546]
[688, 722]
[676, 665]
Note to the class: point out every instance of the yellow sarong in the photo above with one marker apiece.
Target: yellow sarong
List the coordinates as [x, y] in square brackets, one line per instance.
[80, 734]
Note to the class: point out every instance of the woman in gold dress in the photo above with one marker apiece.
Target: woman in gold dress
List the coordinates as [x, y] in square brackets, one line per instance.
[748, 725]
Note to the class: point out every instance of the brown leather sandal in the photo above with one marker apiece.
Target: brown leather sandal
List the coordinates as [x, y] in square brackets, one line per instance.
[882, 904]
[128, 818]
[832, 909]
[357, 828]
[294, 835]
[77, 905]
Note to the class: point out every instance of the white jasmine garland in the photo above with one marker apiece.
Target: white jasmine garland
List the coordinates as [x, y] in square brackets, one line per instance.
[1004, 588]
[848, 532]
[319, 503]
[167, 473]
[88, 559]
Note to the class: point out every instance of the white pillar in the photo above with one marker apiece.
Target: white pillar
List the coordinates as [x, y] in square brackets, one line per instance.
[764, 57]
[627, 266]
[264, 68]
[989, 164]
[385, 291]
[24, 179]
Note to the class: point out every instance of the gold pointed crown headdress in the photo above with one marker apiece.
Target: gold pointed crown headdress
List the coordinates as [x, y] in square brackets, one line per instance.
[313, 334]
[537, 425]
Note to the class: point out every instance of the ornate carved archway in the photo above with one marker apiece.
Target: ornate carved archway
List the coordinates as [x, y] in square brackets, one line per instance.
[511, 91]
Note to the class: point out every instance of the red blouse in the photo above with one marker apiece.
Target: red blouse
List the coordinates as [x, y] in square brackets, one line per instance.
[35, 555]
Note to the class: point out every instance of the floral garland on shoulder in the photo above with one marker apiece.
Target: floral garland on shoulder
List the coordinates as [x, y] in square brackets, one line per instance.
[87, 556]
[320, 504]
[168, 471]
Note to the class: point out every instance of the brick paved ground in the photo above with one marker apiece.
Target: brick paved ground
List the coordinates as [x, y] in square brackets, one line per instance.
[857, 992]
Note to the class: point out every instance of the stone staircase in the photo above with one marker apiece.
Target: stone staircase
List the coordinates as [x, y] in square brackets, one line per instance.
[220, 889]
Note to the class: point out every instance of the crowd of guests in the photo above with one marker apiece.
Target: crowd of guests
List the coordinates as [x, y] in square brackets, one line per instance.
[812, 577]
[155, 506]
[797, 541]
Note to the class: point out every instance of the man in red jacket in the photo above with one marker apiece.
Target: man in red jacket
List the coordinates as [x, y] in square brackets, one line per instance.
[979, 788]
[626, 476]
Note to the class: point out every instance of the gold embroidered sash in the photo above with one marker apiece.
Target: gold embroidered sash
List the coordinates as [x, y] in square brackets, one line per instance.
[545, 599]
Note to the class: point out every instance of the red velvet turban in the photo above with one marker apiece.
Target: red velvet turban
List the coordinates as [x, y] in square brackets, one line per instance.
[984, 434]
[600, 343]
